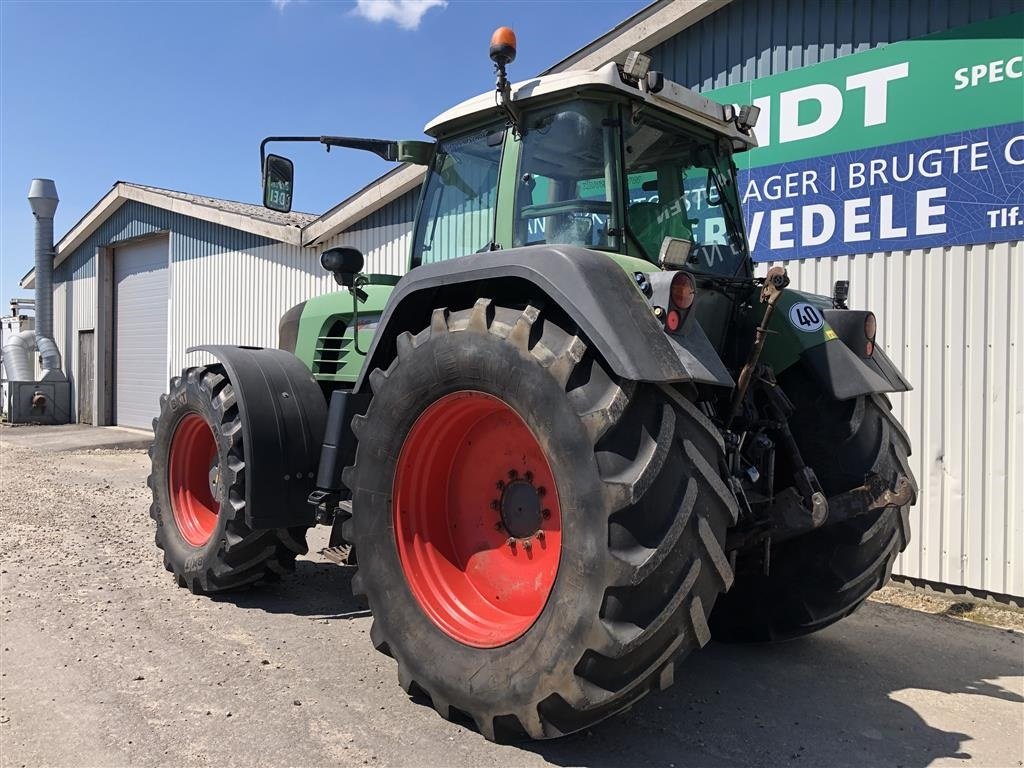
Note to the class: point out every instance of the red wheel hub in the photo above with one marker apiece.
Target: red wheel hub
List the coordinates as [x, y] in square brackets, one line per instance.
[477, 521]
[192, 474]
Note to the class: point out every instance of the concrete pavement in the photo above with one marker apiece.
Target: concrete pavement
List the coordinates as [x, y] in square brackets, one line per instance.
[106, 662]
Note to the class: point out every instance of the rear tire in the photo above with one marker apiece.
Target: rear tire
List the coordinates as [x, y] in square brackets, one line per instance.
[198, 485]
[823, 576]
[641, 511]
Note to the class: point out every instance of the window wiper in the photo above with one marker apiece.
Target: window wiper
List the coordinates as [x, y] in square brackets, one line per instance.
[734, 218]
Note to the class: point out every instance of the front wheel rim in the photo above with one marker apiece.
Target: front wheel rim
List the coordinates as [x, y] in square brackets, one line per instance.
[193, 472]
[477, 521]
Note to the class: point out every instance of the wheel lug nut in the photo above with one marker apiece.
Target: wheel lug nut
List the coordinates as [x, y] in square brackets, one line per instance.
[511, 542]
[500, 485]
[495, 504]
[497, 526]
[541, 491]
[546, 513]
[540, 535]
[512, 474]
[529, 477]
[527, 544]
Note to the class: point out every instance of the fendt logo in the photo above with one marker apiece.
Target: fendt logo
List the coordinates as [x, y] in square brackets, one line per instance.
[828, 101]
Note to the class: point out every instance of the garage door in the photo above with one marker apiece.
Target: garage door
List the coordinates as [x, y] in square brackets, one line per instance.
[140, 322]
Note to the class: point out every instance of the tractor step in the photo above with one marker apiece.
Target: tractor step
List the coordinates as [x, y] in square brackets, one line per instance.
[339, 554]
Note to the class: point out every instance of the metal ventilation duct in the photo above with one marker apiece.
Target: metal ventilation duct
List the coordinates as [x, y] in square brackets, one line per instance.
[42, 196]
[18, 356]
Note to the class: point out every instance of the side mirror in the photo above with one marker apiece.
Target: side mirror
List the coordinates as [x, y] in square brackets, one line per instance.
[344, 263]
[278, 181]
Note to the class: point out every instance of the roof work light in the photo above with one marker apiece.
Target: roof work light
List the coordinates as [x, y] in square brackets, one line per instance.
[636, 65]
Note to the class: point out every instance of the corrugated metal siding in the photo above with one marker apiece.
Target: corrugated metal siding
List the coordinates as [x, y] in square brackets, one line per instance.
[226, 286]
[74, 310]
[235, 295]
[385, 236]
[755, 38]
[951, 319]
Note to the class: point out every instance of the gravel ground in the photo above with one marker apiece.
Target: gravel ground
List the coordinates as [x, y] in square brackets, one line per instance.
[106, 662]
[978, 611]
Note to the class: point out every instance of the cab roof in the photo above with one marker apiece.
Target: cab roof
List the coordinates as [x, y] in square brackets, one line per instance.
[672, 98]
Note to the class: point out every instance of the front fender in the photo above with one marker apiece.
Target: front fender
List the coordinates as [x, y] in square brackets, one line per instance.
[596, 293]
[283, 415]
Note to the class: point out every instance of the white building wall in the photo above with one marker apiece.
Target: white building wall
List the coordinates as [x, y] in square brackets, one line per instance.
[74, 310]
[237, 297]
[386, 248]
[951, 319]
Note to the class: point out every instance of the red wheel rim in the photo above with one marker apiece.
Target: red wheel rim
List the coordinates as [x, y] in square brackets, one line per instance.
[190, 474]
[477, 520]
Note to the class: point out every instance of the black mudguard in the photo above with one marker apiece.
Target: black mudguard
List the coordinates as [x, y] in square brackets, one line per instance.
[842, 367]
[283, 414]
[596, 293]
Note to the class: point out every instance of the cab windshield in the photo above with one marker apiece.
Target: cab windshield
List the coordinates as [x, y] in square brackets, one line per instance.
[458, 207]
[677, 183]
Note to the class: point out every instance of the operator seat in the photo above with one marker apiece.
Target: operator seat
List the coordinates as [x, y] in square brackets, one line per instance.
[644, 223]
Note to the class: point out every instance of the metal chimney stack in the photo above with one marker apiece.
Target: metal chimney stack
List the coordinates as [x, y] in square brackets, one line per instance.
[46, 399]
[42, 196]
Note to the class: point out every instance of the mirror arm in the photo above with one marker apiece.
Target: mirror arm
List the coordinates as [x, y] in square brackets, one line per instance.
[386, 150]
[416, 152]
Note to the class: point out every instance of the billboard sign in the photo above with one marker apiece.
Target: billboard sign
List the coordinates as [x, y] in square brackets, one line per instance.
[913, 145]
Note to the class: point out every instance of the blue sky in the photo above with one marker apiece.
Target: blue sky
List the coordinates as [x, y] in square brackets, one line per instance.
[179, 94]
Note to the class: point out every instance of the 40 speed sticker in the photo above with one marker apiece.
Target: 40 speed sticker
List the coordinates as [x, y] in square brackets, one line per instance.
[806, 317]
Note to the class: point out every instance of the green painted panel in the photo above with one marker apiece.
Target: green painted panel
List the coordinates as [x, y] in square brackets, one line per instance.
[334, 356]
[508, 181]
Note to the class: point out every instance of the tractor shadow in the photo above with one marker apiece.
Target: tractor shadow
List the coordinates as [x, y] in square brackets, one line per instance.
[848, 696]
[316, 589]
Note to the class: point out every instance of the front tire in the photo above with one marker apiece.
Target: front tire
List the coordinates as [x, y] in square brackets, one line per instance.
[477, 414]
[198, 485]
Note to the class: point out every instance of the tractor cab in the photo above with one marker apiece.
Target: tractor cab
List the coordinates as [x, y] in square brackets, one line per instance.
[600, 159]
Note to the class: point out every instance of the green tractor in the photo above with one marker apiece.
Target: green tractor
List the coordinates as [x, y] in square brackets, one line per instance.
[577, 440]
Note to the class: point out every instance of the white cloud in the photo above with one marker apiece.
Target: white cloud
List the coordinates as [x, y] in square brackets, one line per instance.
[280, 4]
[405, 13]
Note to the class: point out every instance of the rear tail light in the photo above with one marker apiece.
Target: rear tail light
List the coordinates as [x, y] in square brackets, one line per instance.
[870, 326]
[870, 329]
[683, 291]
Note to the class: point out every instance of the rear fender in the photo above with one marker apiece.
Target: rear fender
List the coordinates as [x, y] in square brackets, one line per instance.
[831, 345]
[596, 293]
[283, 415]
[842, 366]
